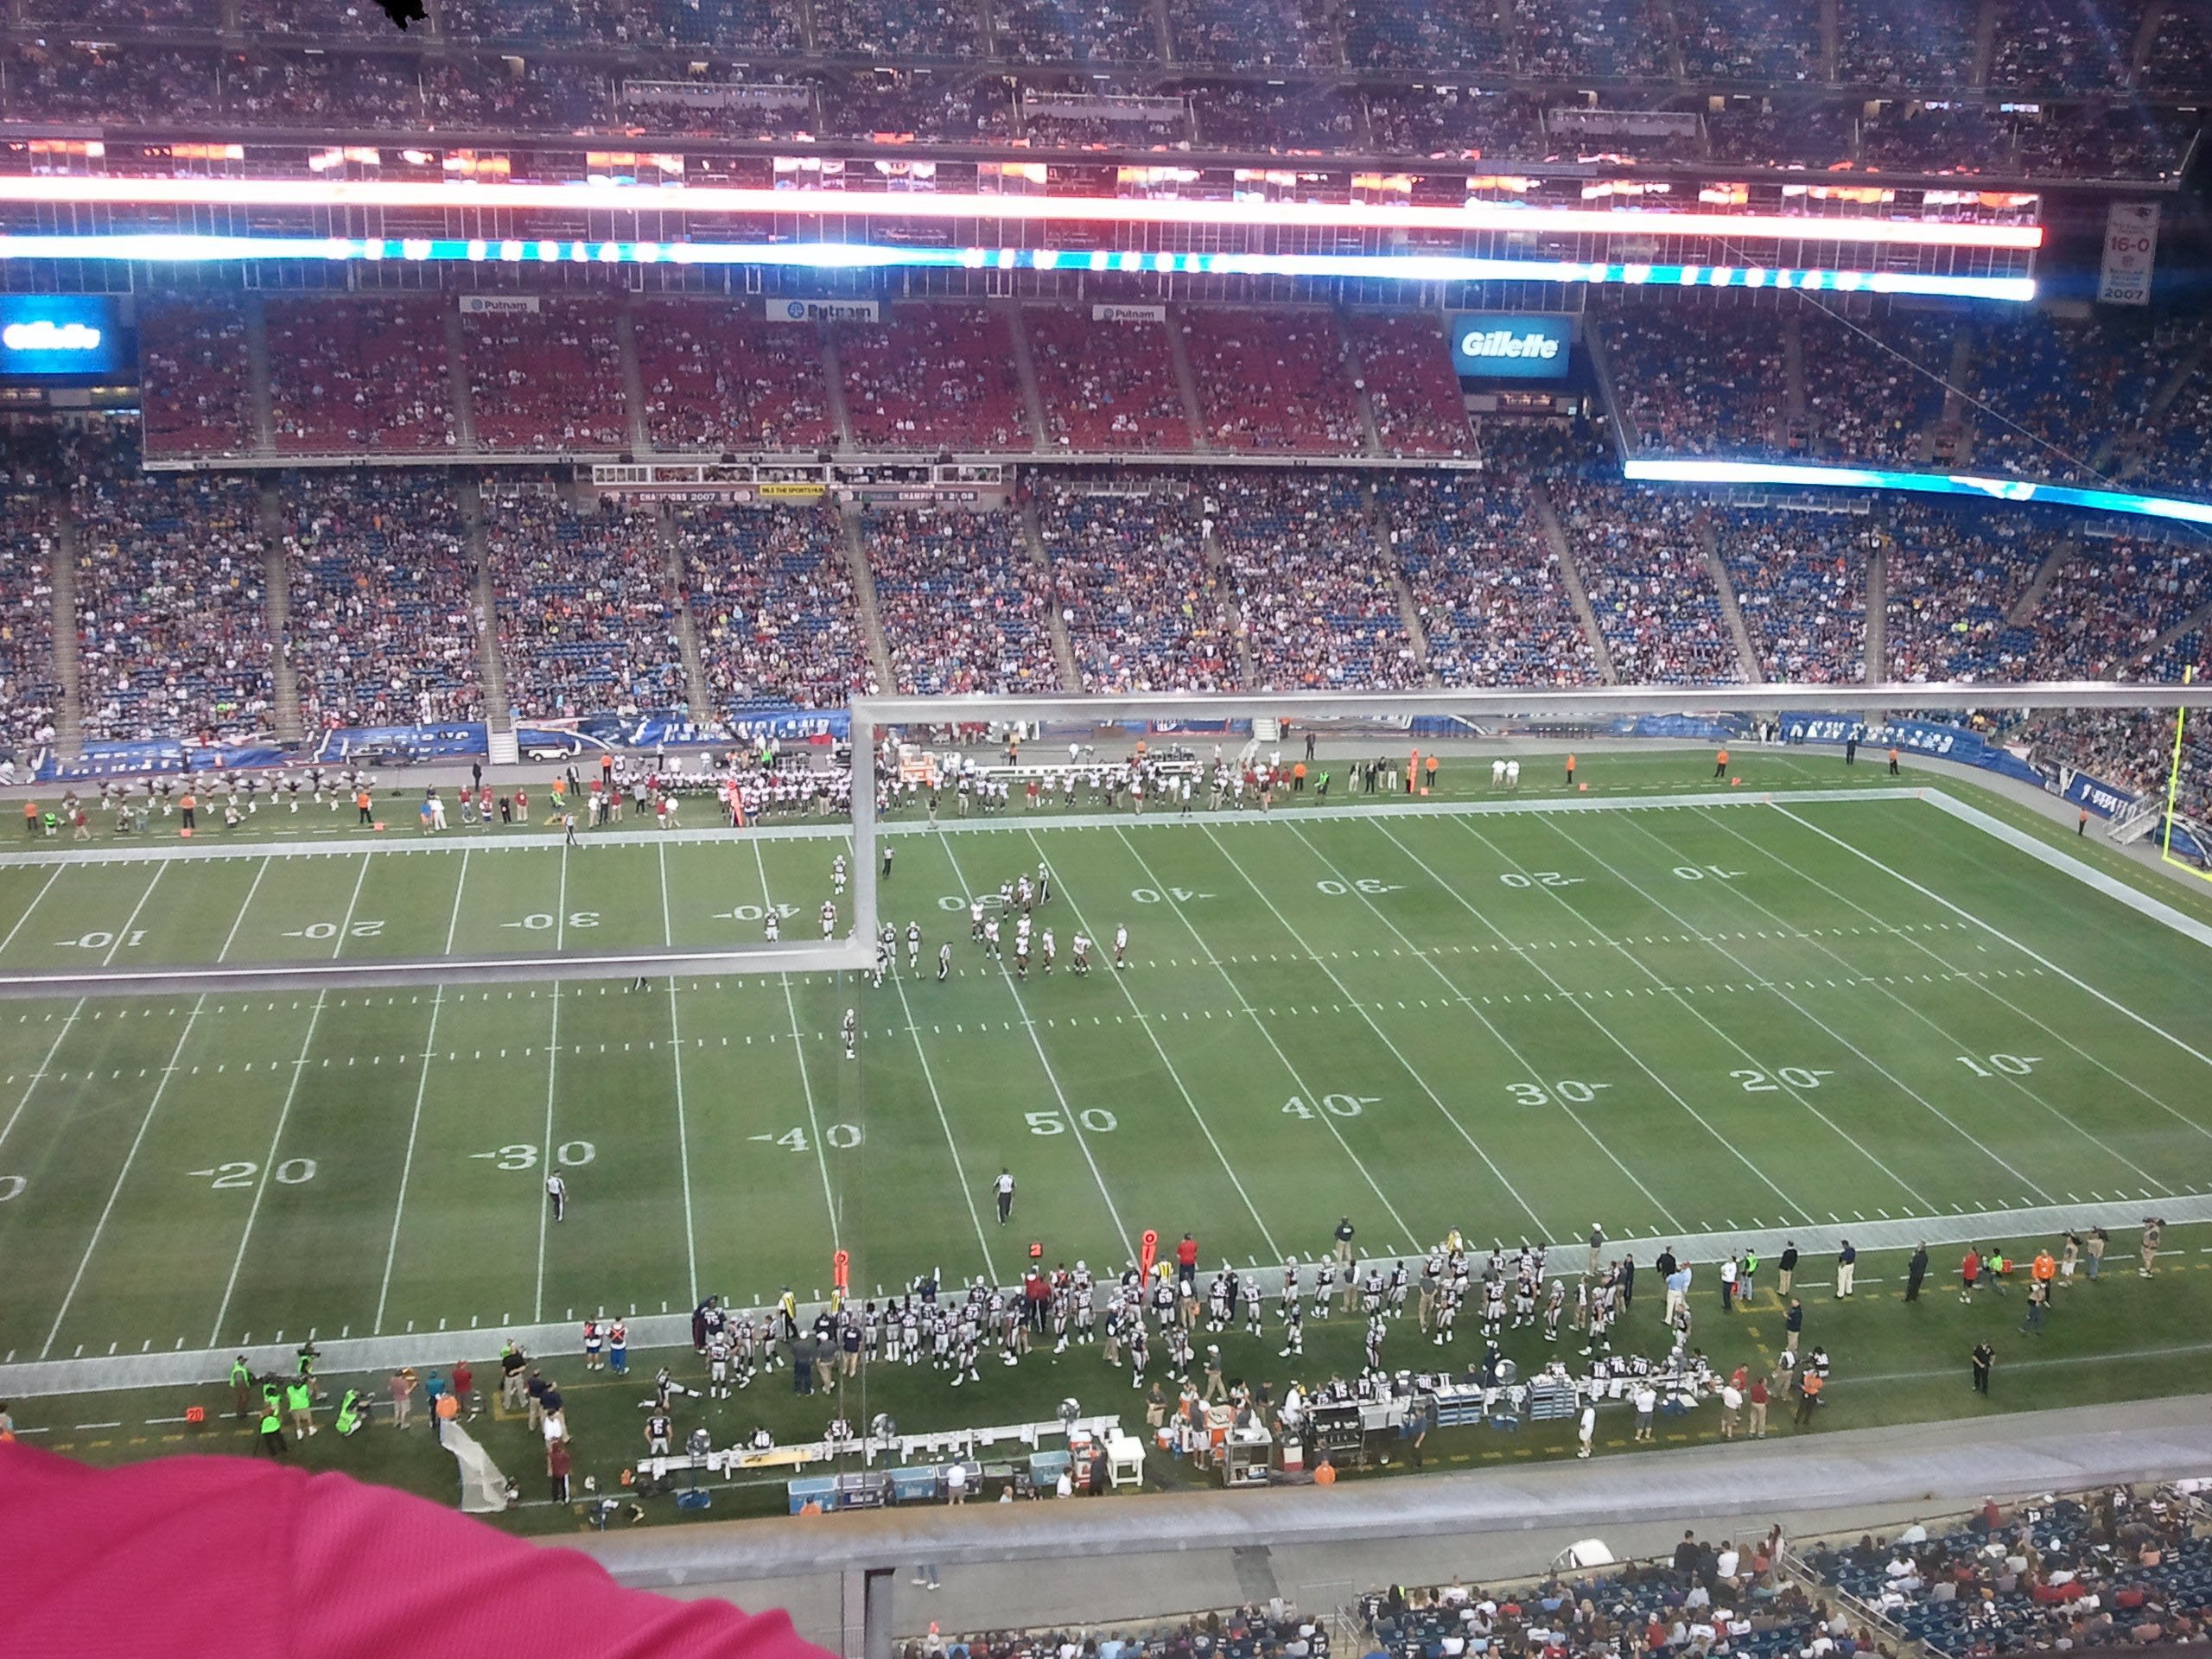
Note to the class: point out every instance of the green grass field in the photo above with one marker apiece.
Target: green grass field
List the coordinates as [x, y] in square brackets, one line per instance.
[1676, 1021]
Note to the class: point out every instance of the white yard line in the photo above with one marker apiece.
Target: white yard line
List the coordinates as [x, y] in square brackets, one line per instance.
[122, 1175]
[236, 921]
[1978, 1143]
[1068, 1113]
[683, 1146]
[339, 944]
[944, 1121]
[1353, 1002]
[805, 1082]
[676, 1039]
[545, 1209]
[1168, 1066]
[1986, 989]
[1244, 1002]
[123, 932]
[561, 912]
[52, 876]
[2056, 861]
[1519, 1060]
[407, 1165]
[268, 1171]
[459, 886]
[51, 1048]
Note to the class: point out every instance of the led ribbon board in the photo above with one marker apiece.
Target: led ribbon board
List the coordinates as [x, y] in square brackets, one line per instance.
[159, 247]
[599, 196]
[1811, 475]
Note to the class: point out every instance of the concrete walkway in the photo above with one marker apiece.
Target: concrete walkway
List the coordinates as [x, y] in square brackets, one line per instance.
[1024, 1565]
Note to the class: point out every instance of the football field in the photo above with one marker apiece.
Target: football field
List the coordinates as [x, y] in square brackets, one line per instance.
[1674, 1014]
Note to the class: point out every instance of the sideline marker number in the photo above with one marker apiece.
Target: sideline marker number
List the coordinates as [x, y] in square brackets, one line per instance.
[1145, 1255]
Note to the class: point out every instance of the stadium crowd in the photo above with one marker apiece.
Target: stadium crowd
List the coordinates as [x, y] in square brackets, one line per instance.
[385, 628]
[1318, 599]
[930, 377]
[772, 601]
[586, 623]
[1642, 559]
[1485, 582]
[1141, 606]
[964, 608]
[172, 620]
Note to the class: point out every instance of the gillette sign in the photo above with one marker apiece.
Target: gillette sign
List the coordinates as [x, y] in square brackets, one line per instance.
[50, 335]
[1503, 345]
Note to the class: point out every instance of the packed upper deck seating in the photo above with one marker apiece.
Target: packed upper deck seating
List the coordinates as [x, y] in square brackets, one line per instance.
[547, 379]
[1143, 607]
[1913, 43]
[1485, 579]
[1405, 364]
[2049, 392]
[1698, 382]
[772, 601]
[716, 379]
[1382, 35]
[1609, 40]
[196, 391]
[385, 625]
[892, 31]
[1092, 31]
[964, 606]
[1106, 384]
[1272, 381]
[1874, 387]
[933, 376]
[2064, 45]
[1749, 40]
[1318, 598]
[1265, 34]
[585, 622]
[365, 377]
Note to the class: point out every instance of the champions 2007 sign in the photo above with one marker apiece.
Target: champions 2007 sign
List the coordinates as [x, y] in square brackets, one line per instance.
[1503, 345]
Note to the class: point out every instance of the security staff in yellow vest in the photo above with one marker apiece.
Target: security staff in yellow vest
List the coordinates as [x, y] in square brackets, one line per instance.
[299, 1400]
[272, 1419]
